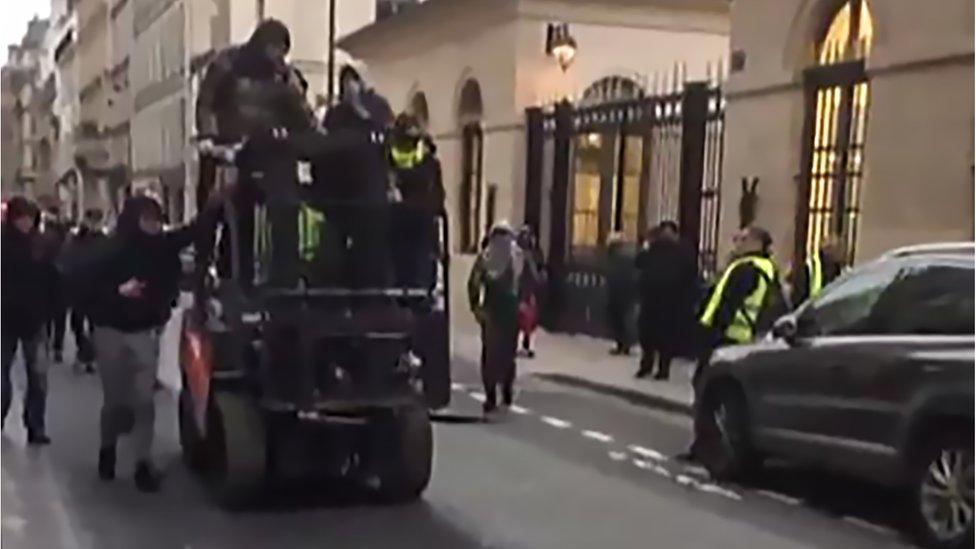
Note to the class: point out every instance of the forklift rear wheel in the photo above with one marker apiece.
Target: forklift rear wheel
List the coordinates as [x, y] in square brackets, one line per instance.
[239, 451]
[406, 464]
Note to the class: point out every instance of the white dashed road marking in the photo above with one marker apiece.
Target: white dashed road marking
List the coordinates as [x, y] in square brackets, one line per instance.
[649, 453]
[515, 408]
[617, 456]
[719, 491]
[598, 436]
[556, 422]
[782, 498]
[457, 387]
[480, 397]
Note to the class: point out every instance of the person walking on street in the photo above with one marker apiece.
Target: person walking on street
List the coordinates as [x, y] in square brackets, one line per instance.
[819, 270]
[528, 312]
[668, 285]
[29, 284]
[54, 233]
[736, 312]
[621, 294]
[493, 295]
[87, 236]
[136, 284]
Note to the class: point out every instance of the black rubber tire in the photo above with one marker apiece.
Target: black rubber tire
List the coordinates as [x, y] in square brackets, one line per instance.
[406, 466]
[925, 455]
[728, 457]
[238, 449]
[193, 446]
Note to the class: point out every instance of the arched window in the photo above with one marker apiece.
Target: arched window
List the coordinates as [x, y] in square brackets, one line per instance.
[836, 123]
[611, 89]
[472, 165]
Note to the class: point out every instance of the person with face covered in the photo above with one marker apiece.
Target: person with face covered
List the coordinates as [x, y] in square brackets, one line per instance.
[493, 295]
[29, 287]
[249, 92]
[136, 284]
[358, 190]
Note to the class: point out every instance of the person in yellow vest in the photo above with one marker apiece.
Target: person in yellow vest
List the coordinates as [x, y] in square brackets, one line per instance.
[734, 312]
[819, 270]
[419, 191]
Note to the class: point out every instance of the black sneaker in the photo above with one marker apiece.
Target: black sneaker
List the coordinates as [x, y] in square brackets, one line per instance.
[37, 439]
[89, 368]
[58, 357]
[530, 354]
[106, 463]
[147, 479]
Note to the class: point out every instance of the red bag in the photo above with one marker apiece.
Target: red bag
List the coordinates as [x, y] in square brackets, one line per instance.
[528, 315]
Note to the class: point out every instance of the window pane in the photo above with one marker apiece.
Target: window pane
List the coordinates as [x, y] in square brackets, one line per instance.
[633, 158]
[928, 299]
[846, 308]
[586, 190]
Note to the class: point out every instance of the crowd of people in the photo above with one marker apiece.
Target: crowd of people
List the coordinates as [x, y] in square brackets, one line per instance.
[119, 288]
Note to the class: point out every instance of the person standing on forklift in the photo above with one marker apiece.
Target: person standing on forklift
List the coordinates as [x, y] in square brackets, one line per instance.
[419, 190]
[248, 91]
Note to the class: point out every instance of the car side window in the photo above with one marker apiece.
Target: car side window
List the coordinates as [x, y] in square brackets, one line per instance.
[846, 307]
[932, 298]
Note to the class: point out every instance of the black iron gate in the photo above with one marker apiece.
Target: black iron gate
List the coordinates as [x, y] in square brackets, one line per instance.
[619, 167]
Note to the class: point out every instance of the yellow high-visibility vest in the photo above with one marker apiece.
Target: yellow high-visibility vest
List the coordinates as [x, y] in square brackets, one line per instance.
[742, 327]
[309, 225]
[815, 274]
[407, 158]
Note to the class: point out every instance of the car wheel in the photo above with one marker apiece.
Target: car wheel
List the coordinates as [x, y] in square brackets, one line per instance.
[724, 448]
[941, 506]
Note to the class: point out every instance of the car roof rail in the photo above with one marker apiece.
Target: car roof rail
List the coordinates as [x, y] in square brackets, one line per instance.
[935, 248]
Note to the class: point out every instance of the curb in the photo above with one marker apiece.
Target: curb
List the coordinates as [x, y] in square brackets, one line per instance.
[633, 397]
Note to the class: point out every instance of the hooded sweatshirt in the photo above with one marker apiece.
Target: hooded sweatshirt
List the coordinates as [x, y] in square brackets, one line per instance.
[29, 278]
[151, 259]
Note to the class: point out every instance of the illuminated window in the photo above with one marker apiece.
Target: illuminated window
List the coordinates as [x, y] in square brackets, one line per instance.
[586, 190]
[841, 95]
[630, 194]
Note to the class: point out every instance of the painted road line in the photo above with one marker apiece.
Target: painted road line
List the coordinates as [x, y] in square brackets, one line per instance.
[782, 498]
[515, 408]
[457, 387]
[696, 471]
[556, 422]
[480, 397]
[617, 456]
[718, 490]
[685, 480]
[649, 453]
[642, 464]
[598, 436]
[877, 528]
[662, 471]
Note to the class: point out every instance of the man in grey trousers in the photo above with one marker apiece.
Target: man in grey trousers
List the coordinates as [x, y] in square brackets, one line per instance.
[135, 282]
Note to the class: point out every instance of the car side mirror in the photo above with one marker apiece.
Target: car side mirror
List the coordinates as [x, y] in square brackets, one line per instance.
[786, 329]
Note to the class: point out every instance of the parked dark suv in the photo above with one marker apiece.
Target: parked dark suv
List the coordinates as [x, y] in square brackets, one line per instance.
[873, 377]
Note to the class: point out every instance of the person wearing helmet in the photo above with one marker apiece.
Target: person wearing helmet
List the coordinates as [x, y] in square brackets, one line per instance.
[420, 192]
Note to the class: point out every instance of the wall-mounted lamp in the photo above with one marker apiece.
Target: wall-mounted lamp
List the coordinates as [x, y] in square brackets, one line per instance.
[560, 44]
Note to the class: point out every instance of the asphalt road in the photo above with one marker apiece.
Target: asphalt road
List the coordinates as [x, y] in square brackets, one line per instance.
[565, 469]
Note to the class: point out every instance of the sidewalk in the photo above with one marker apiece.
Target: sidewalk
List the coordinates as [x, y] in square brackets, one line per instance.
[585, 362]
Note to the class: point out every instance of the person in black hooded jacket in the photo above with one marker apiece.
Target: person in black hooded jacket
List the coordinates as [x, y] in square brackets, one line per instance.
[136, 284]
[29, 287]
